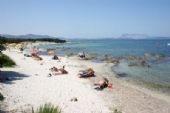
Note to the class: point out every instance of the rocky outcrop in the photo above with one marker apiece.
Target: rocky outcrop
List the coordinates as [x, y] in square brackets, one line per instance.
[139, 63]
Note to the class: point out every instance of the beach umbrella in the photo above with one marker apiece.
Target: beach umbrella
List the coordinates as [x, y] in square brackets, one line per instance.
[33, 50]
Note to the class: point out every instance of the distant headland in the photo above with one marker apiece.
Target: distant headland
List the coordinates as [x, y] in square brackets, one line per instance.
[5, 38]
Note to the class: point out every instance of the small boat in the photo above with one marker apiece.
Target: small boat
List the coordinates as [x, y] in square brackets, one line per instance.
[168, 44]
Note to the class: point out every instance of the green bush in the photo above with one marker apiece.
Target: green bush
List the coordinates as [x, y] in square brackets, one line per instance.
[2, 47]
[1, 97]
[5, 61]
[4, 40]
[47, 108]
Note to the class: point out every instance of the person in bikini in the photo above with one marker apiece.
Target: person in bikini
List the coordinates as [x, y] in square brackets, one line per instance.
[86, 73]
[56, 71]
[104, 83]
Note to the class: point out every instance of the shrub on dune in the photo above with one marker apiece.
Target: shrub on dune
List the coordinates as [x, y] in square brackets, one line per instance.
[5, 61]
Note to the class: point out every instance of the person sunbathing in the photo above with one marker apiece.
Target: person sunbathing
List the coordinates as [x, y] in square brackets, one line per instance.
[86, 73]
[104, 83]
[62, 70]
[36, 57]
[56, 71]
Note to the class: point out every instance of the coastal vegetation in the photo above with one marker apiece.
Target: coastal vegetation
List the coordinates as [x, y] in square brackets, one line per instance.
[1, 97]
[4, 40]
[2, 48]
[47, 108]
[116, 111]
[5, 61]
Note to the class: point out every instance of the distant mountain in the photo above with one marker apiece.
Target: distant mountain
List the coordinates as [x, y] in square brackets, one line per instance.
[140, 36]
[134, 36]
[156, 37]
[30, 36]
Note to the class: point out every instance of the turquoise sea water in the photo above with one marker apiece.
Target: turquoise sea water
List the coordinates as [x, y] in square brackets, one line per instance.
[157, 76]
[116, 47]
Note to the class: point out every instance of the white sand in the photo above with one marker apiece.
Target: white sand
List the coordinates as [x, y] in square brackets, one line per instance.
[38, 88]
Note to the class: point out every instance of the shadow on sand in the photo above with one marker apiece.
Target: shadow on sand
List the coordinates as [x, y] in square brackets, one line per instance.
[7, 77]
[2, 111]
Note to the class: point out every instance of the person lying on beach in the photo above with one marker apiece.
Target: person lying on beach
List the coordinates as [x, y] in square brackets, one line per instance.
[56, 71]
[62, 70]
[36, 57]
[87, 73]
[104, 83]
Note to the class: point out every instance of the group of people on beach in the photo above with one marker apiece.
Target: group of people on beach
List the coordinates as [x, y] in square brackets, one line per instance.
[82, 73]
[104, 83]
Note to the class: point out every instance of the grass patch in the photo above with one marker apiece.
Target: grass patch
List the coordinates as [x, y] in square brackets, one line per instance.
[5, 61]
[116, 111]
[47, 108]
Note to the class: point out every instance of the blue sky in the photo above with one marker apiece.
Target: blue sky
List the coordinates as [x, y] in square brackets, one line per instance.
[85, 18]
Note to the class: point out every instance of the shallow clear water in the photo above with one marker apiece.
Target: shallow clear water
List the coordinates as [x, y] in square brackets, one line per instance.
[159, 73]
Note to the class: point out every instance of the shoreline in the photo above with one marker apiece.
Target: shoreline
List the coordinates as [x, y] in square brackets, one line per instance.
[110, 99]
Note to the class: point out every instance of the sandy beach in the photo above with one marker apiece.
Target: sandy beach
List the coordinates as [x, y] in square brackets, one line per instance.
[30, 86]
